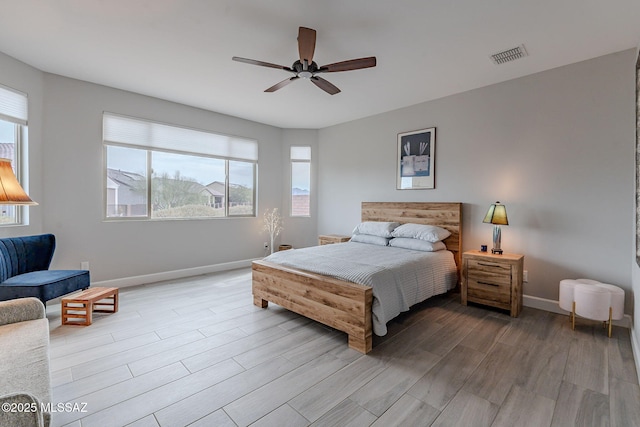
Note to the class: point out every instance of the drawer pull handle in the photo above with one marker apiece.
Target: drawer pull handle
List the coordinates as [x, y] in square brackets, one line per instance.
[488, 265]
[487, 283]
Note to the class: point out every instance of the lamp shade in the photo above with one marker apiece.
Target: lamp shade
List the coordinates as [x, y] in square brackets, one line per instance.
[497, 215]
[11, 193]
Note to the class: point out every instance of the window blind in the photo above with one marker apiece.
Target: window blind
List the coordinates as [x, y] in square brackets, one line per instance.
[13, 105]
[300, 153]
[150, 135]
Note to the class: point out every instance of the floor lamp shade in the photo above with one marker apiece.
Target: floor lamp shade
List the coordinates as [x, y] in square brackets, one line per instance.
[11, 193]
[496, 215]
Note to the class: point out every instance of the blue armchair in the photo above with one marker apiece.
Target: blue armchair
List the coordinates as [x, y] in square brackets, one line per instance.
[24, 270]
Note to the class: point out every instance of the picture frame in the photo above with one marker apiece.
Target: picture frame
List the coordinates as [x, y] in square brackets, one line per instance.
[416, 160]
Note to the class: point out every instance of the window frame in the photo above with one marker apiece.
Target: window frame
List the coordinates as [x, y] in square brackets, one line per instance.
[149, 178]
[14, 110]
[299, 160]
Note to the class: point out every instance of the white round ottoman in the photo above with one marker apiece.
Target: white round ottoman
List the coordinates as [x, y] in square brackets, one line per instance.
[567, 286]
[592, 300]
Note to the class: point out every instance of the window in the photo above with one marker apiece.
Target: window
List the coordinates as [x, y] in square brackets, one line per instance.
[13, 136]
[300, 181]
[160, 171]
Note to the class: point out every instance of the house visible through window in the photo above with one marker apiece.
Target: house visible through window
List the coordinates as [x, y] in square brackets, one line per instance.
[300, 181]
[13, 135]
[155, 170]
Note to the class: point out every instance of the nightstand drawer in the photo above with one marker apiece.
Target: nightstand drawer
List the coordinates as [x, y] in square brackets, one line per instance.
[488, 291]
[491, 272]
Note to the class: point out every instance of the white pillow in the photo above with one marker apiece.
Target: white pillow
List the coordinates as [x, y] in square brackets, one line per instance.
[368, 238]
[376, 228]
[417, 245]
[430, 233]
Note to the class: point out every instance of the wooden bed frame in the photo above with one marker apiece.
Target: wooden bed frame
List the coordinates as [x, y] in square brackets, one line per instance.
[344, 305]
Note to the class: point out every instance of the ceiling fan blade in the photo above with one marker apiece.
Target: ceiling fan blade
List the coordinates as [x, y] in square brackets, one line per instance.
[352, 64]
[282, 84]
[306, 44]
[262, 63]
[325, 85]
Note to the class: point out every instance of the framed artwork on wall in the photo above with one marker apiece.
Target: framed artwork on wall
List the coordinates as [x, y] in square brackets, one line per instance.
[416, 159]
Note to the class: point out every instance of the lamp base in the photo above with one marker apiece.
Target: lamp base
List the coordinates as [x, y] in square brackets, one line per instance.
[496, 251]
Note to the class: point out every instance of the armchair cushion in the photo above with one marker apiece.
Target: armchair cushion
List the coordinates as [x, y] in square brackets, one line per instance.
[44, 285]
[24, 361]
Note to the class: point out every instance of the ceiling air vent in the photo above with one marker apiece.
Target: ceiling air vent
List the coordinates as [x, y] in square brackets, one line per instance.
[509, 55]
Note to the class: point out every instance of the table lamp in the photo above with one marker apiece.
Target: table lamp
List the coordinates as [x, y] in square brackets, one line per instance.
[497, 215]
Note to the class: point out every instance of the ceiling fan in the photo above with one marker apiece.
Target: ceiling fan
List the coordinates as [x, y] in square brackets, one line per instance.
[306, 68]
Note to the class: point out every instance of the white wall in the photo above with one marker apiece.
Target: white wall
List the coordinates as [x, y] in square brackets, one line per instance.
[555, 147]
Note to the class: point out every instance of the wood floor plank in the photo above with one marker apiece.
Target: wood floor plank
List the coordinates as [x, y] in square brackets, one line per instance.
[621, 362]
[408, 411]
[346, 414]
[546, 364]
[148, 421]
[624, 407]
[438, 386]
[285, 415]
[497, 373]
[588, 365]
[579, 406]
[465, 410]
[385, 389]
[326, 394]
[217, 419]
[486, 332]
[524, 408]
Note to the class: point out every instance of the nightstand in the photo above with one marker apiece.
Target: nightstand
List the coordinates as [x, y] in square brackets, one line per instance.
[327, 239]
[494, 280]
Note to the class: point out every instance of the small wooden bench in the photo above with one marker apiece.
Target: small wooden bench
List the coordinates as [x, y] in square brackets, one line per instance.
[82, 305]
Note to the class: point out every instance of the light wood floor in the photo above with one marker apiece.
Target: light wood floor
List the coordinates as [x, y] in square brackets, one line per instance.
[197, 352]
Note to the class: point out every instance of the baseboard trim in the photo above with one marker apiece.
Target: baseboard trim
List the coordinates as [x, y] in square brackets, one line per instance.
[552, 306]
[172, 275]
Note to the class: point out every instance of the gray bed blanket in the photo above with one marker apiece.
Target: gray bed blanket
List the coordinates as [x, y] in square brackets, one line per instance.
[399, 277]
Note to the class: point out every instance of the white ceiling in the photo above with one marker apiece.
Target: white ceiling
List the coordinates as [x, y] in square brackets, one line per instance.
[426, 49]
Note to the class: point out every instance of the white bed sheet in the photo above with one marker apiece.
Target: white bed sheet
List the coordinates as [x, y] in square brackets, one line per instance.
[399, 277]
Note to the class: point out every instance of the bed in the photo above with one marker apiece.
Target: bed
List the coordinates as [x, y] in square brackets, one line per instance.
[342, 304]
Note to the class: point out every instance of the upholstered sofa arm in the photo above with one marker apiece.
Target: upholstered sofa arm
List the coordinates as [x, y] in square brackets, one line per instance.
[20, 310]
[20, 410]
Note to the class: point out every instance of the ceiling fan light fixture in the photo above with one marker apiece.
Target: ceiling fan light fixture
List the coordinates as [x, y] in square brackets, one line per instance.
[306, 68]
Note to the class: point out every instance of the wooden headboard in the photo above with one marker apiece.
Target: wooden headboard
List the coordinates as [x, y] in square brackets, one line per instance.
[445, 215]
